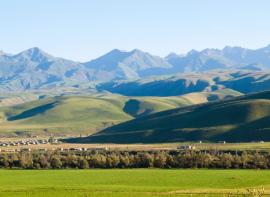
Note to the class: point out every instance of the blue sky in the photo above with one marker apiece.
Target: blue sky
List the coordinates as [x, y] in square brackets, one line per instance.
[84, 29]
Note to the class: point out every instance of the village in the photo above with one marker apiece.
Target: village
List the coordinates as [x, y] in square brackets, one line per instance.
[42, 145]
[29, 142]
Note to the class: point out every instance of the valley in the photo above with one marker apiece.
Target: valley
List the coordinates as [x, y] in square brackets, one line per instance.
[135, 98]
[126, 100]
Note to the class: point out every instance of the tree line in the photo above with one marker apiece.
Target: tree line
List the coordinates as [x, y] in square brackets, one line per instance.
[135, 159]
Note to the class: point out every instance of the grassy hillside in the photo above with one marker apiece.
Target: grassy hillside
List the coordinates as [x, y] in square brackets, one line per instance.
[203, 97]
[75, 114]
[245, 118]
[80, 114]
[64, 114]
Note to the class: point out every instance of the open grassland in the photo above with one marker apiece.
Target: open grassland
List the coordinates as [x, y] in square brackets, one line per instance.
[72, 115]
[241, 119]
[133, 182]
[63, 114]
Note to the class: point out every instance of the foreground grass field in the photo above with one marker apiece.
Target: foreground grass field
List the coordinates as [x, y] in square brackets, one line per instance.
[133, 183]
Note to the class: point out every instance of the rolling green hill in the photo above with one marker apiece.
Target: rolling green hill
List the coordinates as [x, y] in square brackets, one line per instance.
[244, 118]
[72, 115]
[64, 115]
[80, 114]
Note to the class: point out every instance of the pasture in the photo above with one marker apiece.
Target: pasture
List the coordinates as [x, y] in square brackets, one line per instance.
[131, 182]
[72, 115]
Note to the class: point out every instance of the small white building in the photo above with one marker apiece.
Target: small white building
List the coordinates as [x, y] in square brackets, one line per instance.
[222, 142]
[186, 147]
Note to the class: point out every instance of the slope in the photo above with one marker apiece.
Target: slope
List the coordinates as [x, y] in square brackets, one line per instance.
[127, 65]
[179, 84]
[74, 114]
[34, 68]
[80, 114]
[245, 118]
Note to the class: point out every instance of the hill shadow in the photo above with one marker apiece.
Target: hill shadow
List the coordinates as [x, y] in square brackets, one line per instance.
[32, 112]
[257, 130]
[133, 108]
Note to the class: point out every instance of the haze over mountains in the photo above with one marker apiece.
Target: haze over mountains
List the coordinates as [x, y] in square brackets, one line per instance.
[35, 69]
[183, 83]
[227, 58]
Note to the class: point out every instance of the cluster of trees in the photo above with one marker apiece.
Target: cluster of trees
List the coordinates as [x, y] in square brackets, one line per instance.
[134, 159]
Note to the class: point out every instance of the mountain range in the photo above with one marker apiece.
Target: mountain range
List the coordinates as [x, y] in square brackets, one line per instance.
[204, 95]
[227, 58]
[35, 69]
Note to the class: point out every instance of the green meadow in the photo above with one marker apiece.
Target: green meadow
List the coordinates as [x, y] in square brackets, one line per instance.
[80, 114]
[131, 182]
[240, 119]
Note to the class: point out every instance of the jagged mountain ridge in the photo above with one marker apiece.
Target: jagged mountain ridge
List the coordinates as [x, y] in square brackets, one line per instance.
[227, 58]
[34, 68]
[127, 65]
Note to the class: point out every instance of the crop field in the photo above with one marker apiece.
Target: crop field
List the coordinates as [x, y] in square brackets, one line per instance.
[132, 182]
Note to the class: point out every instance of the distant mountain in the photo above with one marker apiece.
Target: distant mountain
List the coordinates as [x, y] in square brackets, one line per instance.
[36, 69]
[255, 67]
[241, 119]
[160, 86]
[127, 65]
[227, 58]
[2, 53]
[179, 84]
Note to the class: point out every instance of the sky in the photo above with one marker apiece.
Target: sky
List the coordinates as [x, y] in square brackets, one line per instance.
[85, 29]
